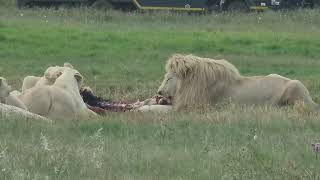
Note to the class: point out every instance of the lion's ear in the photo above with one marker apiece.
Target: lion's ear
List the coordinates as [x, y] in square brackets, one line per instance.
[78, 77]
[66, 64]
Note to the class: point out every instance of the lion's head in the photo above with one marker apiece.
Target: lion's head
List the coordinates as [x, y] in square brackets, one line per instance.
[169, 85]
[53, 72]
[70, 76]
[5, 89]
[192, 80]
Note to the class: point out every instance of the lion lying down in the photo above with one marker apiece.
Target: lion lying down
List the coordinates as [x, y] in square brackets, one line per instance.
[56, 95]
[61, 99]
[194, 80]
[10, 105]
[48, 78]
[13, 98]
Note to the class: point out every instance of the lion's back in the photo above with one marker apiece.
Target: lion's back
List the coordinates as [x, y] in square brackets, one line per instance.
[37, 100]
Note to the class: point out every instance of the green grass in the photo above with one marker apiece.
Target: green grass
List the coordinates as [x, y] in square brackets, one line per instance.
[122, 56]
[216, 145]
[8, 3]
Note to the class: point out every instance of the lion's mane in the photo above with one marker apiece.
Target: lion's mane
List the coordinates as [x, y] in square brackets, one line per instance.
[200, 78]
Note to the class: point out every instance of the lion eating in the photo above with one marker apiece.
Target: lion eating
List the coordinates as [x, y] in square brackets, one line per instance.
[192, 80]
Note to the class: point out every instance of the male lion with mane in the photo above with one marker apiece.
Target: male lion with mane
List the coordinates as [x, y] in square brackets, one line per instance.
[192, 80]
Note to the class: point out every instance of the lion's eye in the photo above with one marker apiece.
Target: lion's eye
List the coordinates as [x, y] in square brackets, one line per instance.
[169, 79]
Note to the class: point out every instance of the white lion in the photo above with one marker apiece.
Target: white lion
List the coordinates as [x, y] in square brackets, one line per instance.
[60, 100]
[49, 77]
[8, 97]
[191, 80]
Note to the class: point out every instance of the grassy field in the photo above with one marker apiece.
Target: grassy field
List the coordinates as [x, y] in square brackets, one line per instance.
[122, 56]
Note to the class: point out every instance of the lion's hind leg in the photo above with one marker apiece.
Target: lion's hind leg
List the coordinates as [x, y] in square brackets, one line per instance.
[295, 92]
[13, 100]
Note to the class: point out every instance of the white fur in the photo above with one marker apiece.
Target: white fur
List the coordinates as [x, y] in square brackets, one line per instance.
[8, 97]
[29, 82]
[12, 111]
[49, 77]
[194, 80]
[60, 100]
[155, 108]
[15, 101]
